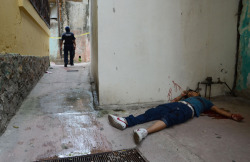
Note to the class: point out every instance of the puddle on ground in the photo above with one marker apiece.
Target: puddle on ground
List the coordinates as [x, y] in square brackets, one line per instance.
[78, 134]
[81, 132]
[82, 135]
[67, 100]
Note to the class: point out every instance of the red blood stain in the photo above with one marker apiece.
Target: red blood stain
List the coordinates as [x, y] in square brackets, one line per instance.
[177, 86]
[214, 115]
[170, 94]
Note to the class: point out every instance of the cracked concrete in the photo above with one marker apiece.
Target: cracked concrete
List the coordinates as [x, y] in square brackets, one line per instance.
[57, 119]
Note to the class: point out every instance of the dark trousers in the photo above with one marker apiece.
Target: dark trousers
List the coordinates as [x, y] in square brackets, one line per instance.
[170, 113]
[68, 49]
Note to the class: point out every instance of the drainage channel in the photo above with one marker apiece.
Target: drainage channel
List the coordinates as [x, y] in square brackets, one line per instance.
[72, 70]
[128, 155]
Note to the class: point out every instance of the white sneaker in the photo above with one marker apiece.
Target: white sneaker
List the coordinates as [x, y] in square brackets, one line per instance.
[139, 134]
[117, 122]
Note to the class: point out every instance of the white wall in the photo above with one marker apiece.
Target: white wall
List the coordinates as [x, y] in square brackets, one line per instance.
[145, 47]
[54, 43]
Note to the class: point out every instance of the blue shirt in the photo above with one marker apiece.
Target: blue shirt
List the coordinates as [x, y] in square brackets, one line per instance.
[199, 107]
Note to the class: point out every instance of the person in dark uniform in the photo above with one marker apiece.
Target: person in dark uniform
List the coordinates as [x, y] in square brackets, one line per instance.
[68, 39]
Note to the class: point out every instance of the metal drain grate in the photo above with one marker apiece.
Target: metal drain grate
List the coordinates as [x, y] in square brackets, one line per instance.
[72, 70]
[129, 155]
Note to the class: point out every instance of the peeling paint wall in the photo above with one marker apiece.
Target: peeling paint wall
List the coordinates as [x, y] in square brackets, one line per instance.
[22, 30]
[54, 43]
[75, 15]
[243, 82]
[150, 51]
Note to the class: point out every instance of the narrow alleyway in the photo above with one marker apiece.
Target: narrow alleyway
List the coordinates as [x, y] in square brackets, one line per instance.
[56, 119]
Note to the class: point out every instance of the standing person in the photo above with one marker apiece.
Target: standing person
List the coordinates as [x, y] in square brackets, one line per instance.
[181, 109]
[68, 39]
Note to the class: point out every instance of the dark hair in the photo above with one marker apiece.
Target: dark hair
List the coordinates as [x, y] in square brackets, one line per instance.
[190, 90]
[67, 28]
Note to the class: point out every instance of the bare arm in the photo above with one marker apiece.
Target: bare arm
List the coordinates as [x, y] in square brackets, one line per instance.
[61, 43]
[176, 99]
[236, 117]
[74, 42]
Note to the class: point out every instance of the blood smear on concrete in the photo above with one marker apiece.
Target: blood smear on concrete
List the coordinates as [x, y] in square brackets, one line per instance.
[214, 115]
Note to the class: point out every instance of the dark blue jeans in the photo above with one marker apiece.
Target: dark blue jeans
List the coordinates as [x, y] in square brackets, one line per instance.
[170, 113]
[67, 49]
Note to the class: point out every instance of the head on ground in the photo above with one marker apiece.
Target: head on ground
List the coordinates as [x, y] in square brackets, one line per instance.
[192, 93]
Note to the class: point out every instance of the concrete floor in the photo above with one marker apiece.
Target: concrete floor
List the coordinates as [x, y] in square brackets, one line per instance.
[58, 119]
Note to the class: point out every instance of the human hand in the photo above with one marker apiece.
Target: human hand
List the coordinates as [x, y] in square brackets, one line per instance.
[184, 93]
[237, 117]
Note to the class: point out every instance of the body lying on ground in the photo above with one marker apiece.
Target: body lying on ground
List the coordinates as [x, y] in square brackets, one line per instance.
[181, 109]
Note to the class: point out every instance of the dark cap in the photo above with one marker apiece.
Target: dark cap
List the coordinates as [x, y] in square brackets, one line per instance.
[67, 28]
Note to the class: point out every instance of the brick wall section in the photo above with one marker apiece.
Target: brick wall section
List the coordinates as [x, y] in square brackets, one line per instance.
[18, 75]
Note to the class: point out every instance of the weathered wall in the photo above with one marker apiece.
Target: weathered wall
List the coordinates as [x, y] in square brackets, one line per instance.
[94, 41]
[22, 30]
[150, 51]
[54, 42]
[243, 84]
[18, 74]
[75, 15]
[76, 12]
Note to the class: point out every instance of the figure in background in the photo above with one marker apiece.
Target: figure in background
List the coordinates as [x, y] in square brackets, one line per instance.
[68, 39]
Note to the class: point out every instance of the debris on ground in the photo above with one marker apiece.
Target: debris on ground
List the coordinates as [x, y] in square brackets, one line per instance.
[49, 72]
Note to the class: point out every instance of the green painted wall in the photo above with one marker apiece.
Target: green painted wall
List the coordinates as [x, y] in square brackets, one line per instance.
[244, 57]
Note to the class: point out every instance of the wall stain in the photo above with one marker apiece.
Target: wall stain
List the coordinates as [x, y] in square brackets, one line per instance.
[244, 58]
[170, 94]
[177, 86]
